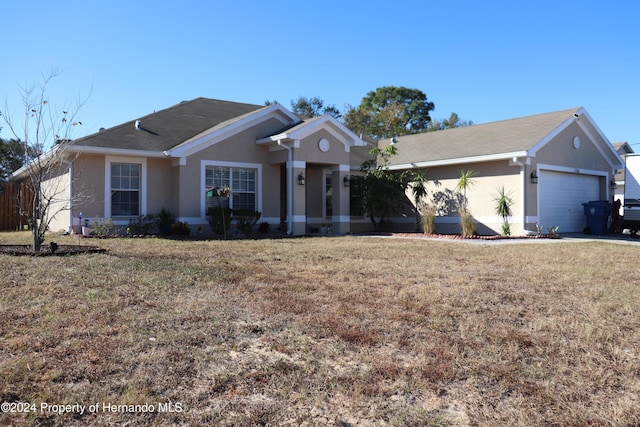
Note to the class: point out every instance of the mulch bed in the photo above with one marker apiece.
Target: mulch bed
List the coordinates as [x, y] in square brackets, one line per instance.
[459, 237]
[45, 250]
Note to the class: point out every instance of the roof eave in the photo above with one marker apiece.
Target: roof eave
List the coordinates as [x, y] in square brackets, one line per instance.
[85, 149]
[23, 172]
[460, 160]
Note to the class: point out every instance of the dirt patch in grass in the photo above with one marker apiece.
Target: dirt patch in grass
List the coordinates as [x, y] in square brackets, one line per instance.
[324, 331]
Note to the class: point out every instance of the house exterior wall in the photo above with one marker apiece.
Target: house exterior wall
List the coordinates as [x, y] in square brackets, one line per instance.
[271, 194]
[162, 186]
[89, 185]
[489, 178]
[240, 150]
[442, 194]
[58, 188]
[315, 183]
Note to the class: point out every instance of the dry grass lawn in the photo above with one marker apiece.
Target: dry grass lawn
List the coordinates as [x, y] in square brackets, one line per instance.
[323, 331]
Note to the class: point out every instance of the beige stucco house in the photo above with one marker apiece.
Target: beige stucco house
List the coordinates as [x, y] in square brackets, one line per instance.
[286, 168]
[296, 172]
[549, 163]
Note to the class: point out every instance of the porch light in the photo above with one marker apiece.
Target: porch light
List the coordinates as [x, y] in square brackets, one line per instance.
[300, 179]
[534, 177]
[613, 184]
[345, 181]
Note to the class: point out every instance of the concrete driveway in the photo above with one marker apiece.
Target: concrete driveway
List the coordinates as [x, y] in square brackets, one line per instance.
[624, 239]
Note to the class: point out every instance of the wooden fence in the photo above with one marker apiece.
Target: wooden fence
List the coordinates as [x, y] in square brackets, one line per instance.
[14, 198]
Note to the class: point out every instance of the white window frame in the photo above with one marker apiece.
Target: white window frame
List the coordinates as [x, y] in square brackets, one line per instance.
[142, 161]
[240, 165]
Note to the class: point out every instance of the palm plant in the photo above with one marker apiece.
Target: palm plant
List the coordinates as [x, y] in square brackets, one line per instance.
[465, 181]
[504, 201]
[467, 222]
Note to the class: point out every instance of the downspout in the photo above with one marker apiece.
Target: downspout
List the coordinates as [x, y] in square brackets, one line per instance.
[523, 186]
[289, 186]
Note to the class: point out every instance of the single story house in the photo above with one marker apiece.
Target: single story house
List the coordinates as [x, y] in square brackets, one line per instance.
[289, 169]
[549, 163]
[296, 172]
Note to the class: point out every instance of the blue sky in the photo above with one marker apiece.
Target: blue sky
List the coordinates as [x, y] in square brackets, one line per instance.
[486, 61]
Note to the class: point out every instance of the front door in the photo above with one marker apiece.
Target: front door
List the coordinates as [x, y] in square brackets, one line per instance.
[328, 196]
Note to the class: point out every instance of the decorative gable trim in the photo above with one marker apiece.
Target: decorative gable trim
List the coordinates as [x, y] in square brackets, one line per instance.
[544, 141]
[226, 130]
[327, 123]
[607, 151]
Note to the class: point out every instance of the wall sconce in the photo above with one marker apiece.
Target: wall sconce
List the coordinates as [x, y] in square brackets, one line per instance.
[300, 179]
[613, 184]
[345, 181]
[534, 177]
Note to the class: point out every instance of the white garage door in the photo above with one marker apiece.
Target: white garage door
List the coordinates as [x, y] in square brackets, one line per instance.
[561, 198]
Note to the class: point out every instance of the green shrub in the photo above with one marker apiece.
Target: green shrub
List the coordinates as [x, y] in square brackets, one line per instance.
[181, 229]
[506, 229]
[165, 221]
[101, 226]
[219, 220]
[146, 224]
[246, 219]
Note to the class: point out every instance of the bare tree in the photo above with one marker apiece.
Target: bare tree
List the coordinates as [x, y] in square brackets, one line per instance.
[46, 135]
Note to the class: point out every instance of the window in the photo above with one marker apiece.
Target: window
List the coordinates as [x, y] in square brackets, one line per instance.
[241, 181]
[356, 193]
[125, 189]
[328, 196]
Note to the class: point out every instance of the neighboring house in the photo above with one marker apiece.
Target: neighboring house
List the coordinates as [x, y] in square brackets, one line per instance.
[622, 148]
[290, 170]
[549, 163]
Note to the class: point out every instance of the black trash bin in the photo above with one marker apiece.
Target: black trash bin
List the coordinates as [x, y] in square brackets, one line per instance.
[597, 213]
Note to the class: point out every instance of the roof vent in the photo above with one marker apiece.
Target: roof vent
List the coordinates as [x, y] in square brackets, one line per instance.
[138, 124]
[101, 130]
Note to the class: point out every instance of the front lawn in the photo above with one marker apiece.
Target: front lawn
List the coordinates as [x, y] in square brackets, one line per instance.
[321, 331]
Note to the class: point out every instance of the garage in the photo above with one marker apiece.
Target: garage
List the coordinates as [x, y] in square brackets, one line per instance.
[561, 197]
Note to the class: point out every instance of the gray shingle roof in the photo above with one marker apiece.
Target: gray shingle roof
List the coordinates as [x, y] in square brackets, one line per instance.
[506, 136]
[165, 129]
